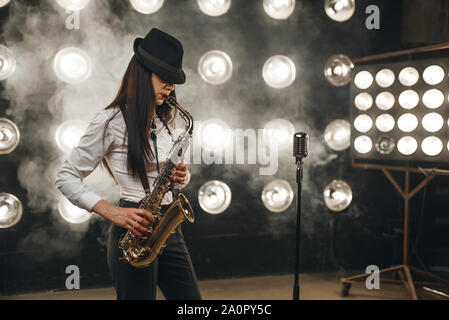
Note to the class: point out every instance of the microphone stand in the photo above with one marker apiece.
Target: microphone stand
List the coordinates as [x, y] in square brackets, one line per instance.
[299, 166]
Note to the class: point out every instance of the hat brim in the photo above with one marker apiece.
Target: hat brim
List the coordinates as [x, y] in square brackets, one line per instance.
[167, 75]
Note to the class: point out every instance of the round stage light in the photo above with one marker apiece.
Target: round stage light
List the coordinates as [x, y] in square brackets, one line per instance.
[433, 75]
[408, 76]
[214, 8]
[4, 3]
[72, 65]
[72, 213]
[147, 6]
[9, 136]
[408, 99]
[385, 122]
[363, 123]
[432, 122]
[215, 67]
[11, 210]
[279, 9]
[433, 98]
[68, 134]
[385, 78]
[432, 146]
[385, 145]
[279, 131]
[363, 144]
[338, 135]
[407, 122]
[363, 80]
[339, 10]
[337, 195]
[279, 71]
[277, 195]
[214, 197]
[385, 100]
[407, 145]
[363, 101]
[73, 4]
[215, 135]
[338, 70]
[7, 62]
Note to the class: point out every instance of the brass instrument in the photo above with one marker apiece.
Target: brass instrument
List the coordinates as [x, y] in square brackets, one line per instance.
[141, 251]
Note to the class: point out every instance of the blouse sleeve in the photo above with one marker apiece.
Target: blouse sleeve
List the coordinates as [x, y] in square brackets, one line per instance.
[83, 159]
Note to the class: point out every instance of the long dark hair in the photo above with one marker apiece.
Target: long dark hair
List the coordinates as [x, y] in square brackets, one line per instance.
[137, 102]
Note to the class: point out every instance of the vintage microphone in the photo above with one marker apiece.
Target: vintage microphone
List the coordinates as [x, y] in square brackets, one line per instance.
[300, 151]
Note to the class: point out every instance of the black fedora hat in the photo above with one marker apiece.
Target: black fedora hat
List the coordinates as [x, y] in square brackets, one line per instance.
[162, 54]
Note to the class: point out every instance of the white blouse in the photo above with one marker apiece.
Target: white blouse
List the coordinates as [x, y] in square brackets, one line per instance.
[93, 148]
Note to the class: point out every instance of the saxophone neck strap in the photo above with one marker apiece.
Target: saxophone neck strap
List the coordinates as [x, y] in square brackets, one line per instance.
[142, 172]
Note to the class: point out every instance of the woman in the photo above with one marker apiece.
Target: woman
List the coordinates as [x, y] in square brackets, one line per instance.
[118, 137]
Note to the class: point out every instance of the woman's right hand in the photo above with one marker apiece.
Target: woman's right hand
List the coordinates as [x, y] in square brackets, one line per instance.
[133, 219]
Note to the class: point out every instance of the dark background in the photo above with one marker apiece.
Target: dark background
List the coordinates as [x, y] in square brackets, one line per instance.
[247, 239]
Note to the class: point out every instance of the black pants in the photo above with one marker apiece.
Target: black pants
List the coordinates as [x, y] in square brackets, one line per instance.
[172, 270]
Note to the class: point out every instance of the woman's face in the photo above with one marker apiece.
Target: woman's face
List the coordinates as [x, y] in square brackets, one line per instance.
[161, 88]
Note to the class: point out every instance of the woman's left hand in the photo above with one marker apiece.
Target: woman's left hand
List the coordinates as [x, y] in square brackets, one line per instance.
[180, 173]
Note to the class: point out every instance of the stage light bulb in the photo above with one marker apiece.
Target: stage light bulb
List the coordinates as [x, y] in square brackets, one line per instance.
[214, 8]
[214, 197]
[385, 145]
[432, 122]
[407, 145]
[339, 10]
[279, 9]
[408, 99]
[338, 70]
[147, 6]
[338, 135]
[363, 101]
[11, 210]
[363, 80]
[279, 131]
[363, 123]
[9, 136]
[4, 3]
[68, 134]
[385, 122]
[279, 71]
[337, 195]
[73, 4]
[385, 100]
[432, 146]
[433, 98]
[408, 76]
[385, 78]
[433, 75]
[277, 195]
[407, 122]
[72, 213]
[215, 67]
[7, 62]
[363, 144]
[72, 65]
[215, 135]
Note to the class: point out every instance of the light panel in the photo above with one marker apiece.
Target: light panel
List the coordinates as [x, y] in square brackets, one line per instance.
[410, 113]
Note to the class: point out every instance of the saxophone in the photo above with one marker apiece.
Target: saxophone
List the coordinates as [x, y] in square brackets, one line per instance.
[141, 251]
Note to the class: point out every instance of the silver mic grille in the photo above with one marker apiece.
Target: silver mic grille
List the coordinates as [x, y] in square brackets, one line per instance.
[300, 145]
